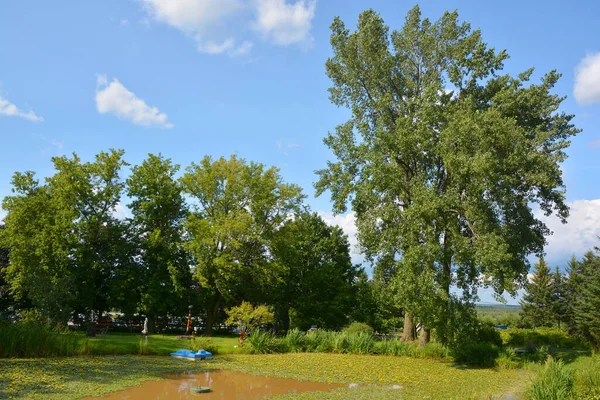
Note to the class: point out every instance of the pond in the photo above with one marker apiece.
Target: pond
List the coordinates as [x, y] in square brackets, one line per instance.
[223, 384]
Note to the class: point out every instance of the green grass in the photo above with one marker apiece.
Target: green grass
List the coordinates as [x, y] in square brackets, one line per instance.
[75, 377]
[126, 343]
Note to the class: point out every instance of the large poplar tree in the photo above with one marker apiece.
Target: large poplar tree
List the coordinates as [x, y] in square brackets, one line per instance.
[442, 158]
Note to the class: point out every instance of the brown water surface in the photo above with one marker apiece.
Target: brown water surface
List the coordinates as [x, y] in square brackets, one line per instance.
[225, 385]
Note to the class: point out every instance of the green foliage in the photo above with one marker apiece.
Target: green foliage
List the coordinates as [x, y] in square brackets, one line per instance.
[477, 354]
[33, 339]
[587, 300]
[358, 327]
[442, 183]
[557, 338]
[587, 379]
[237, 209]
[296, 341]
[538, 304]
[158, 209]
[264, 342]
[248, 318]
[317, 277]
[68, 250]
[554, 382]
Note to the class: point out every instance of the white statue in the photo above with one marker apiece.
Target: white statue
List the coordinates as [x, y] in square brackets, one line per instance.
[145, 331]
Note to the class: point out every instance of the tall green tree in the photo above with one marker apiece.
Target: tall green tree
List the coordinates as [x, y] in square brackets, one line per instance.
[573, 288]
[442, 157]
[67, 246]
[537, 304]
[317, 275]
[237, 207]
[587, 302]
[158, 213]
[40, 235]
[559, 299]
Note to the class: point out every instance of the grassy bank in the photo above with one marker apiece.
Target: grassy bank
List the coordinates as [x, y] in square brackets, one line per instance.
[75, 377]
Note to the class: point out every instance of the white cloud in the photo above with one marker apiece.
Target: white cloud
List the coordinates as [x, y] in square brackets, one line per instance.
[121, 211]
[203, 20]
[286, 23]
[587, 80]
[7, 108]
[348, 224]
[576, 237]
[217, 26]
[116, 99]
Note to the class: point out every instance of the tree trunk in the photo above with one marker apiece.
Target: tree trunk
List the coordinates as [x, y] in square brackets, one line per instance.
[283, 319]
[212, 312]
[409, 328]
[425, 336]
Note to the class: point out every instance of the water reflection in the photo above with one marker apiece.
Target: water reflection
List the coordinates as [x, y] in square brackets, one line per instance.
[225, 385]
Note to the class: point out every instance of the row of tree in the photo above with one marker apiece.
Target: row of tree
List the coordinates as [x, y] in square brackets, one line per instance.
[441, 161]
[570, 300]
[225, 231]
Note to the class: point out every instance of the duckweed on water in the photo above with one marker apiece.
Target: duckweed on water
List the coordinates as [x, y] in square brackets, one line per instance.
[72, 378]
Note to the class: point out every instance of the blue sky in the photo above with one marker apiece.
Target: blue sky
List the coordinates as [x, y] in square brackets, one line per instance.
[194, 77]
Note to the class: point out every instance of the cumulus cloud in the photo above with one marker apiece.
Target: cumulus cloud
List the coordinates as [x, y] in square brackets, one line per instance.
[286, 23]
[114, 98]
[576, 237]
[121, 211]
[217, 25]
[8, 108]
[587, 80]
[348, 224]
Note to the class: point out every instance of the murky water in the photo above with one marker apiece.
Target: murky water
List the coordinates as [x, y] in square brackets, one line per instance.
[225, 385]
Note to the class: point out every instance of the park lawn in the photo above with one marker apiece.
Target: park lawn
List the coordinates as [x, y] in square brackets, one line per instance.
[75, 377]
[128, 343]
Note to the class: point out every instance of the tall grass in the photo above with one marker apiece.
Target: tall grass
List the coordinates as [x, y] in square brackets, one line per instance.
[33, 339]
[204, 343]
[554, 382]
[587, 379]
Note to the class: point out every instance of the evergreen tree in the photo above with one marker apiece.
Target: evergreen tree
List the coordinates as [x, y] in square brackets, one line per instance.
[587, 301]
[573, 284]
[559, 297]
[536, 306]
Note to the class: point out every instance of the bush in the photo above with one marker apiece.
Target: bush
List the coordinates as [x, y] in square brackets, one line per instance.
[554, 382]
[358, 327]
[476, 354]
[540, 337]
[35, 339]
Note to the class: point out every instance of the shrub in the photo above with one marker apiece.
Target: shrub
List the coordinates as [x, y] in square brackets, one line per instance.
[476, 354]
[539, 337]
[358, 327]
[554, 382]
